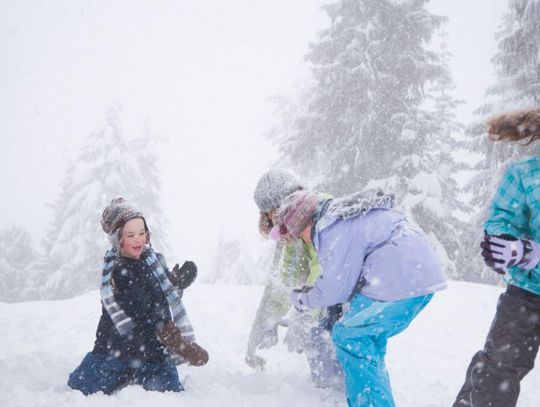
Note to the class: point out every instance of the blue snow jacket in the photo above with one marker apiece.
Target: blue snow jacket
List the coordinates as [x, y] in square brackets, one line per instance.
[515, 210]
[139, 294]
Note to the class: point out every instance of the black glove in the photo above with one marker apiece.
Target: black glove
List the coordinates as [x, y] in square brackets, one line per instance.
[329, 316]
[183, 277]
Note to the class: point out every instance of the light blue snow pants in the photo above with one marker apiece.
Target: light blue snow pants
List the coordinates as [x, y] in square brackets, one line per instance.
[360, 338]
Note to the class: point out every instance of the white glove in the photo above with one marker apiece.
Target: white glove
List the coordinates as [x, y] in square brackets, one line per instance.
[262, 336]
[298, 334]
[255, 362]
[268, 335]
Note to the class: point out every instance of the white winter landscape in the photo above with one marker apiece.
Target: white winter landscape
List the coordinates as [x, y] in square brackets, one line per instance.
[181, 105]
[42, 342]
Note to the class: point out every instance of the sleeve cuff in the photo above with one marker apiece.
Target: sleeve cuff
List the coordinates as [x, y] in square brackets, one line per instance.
[299, 300]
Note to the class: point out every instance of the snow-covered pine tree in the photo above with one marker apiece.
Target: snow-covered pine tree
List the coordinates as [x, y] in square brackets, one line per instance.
[517, 85]
[148, 197]
[106, 167]
[370, 68]
[442, 150]
[364, 123]
[16, 253]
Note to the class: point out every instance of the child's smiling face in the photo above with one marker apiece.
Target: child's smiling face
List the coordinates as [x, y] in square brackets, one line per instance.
[133, 238]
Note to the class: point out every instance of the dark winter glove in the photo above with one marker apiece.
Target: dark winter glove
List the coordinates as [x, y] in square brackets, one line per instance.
[183, 277]
[500, 252]
[171, 337]
[329, 316]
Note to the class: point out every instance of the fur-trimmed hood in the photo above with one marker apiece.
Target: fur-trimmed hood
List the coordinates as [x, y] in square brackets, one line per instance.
[355, 204]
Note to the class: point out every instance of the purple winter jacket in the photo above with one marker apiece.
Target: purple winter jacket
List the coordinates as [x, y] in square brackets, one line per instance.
[379, 254]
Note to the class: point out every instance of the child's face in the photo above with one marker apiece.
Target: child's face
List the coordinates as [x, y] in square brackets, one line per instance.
[133, 238]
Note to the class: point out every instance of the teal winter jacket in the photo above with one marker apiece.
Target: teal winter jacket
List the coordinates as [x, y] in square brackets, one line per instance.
[515, 210]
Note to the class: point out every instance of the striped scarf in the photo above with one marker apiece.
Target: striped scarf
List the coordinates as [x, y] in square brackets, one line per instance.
[122, 322]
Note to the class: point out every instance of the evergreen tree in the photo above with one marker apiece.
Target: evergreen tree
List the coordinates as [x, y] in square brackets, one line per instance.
[370, 68]
[16, 253]
[107, 167]
[517, 85]
[442, 150]
[365, 123]
[148, 196]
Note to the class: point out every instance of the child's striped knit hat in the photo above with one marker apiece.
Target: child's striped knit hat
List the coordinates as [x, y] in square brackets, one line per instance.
[117, 214]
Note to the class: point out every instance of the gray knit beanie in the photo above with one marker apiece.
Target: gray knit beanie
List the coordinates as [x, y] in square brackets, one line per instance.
[273, 187]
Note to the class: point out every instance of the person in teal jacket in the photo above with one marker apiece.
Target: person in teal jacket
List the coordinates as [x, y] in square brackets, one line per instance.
[510, 247]
[294, 264]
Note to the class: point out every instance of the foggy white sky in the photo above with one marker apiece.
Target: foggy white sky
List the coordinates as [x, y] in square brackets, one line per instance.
[198, 72]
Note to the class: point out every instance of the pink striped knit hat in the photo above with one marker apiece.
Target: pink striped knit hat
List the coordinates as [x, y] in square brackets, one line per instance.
[296, 210]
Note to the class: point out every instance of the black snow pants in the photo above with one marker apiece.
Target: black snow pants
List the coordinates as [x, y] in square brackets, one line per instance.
[494, 373]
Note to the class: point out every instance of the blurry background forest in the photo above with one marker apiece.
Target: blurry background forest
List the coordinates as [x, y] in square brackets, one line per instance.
[181, 106]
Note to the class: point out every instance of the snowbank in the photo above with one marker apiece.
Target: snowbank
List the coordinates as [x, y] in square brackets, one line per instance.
[41, 342]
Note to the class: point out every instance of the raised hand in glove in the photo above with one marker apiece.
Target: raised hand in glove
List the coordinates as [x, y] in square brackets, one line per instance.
[500, 252]
[171, 337]
[183, 277]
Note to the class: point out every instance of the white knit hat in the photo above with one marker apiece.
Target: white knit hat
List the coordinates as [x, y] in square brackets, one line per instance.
[273, 187]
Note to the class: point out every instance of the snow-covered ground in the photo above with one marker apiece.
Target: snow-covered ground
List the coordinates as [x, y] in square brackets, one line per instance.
[41, 342]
